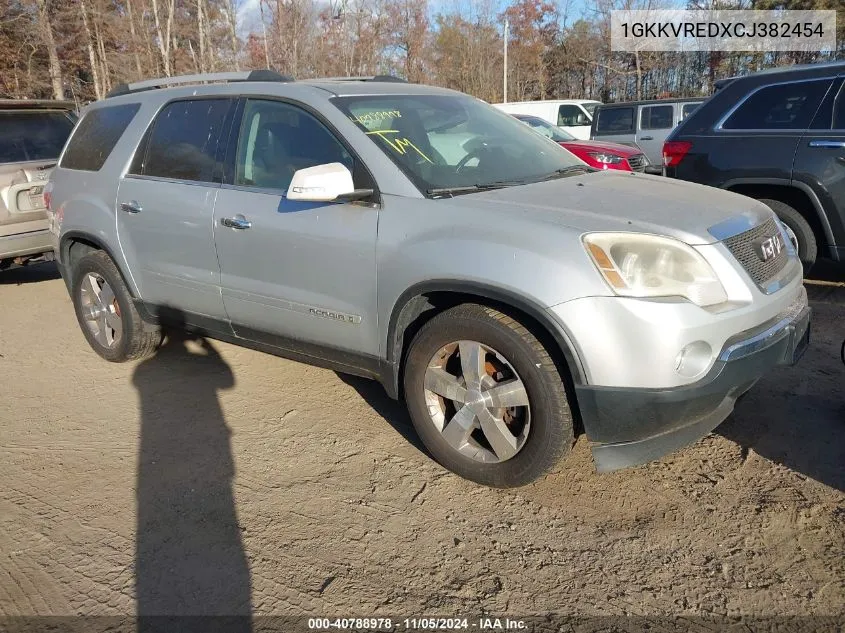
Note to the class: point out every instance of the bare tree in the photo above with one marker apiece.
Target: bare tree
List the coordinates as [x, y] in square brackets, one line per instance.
[53, 56]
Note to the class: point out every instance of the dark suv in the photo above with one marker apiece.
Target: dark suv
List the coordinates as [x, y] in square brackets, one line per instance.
[777, 136]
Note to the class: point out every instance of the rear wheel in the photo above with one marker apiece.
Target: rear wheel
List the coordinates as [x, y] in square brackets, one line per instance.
[486, 398]
[799, 231]
[106, 313]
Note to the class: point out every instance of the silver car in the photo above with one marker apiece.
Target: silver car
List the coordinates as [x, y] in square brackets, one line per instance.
[509, 293]
[32, 133]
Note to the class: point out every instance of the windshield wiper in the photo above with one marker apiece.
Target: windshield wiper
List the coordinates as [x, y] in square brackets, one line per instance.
[457, 191]
[565, 171]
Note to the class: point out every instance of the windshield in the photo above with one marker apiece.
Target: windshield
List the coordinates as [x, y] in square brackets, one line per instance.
[547, 129]
[454, 141]
[32, 135]
[591, 107]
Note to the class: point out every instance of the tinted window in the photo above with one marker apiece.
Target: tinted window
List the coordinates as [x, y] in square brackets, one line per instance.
[656, 117]
[688, 109]
[183, 141]
[571, 115]
[779, 107]
[277, 139]
[32, 135]
[615, 120]
[96, 135]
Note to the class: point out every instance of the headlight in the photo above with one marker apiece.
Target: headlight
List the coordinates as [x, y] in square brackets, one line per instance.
[639, 265]
[606, 159]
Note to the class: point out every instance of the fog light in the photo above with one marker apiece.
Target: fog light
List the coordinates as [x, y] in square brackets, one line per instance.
[693, 359]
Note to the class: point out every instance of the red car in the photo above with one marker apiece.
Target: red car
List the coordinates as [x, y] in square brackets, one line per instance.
[596, 154]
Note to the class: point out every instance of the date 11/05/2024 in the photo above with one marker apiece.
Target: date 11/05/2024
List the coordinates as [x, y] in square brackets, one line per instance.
[416, 624]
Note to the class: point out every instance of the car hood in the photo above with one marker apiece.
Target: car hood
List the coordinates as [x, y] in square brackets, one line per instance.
[601, 146]
[624, 201]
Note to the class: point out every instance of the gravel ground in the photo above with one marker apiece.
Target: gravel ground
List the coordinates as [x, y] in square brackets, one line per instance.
[217, 480]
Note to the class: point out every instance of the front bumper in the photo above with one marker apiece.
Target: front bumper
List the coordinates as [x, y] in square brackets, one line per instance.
[29, 243]
[627, 427]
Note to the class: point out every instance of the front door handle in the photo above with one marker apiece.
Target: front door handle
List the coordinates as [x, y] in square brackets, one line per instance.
[238, 222]
[131, 207]
[646, 138]
[828, 144]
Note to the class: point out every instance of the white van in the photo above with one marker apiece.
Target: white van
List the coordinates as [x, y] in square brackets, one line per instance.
[573, 115]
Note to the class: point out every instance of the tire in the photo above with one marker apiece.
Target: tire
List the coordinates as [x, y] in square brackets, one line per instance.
[804, 235]
[114, 308]
[542, 431]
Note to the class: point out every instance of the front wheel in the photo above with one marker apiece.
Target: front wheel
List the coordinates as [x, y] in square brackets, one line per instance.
[106, 313]
[486, 398]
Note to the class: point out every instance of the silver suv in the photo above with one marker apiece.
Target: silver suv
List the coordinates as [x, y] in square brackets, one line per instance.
[512, 295]
[32, 134]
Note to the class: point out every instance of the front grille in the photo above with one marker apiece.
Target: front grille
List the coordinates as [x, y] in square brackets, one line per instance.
[742, 247]
[637, 162]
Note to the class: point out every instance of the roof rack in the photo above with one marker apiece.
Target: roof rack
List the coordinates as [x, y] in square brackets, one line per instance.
[162, 82]
[383, 78]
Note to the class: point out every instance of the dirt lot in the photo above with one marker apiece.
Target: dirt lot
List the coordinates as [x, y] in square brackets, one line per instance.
[220, 480]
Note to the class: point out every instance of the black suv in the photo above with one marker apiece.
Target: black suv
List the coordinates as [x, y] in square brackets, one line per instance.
[777, 136]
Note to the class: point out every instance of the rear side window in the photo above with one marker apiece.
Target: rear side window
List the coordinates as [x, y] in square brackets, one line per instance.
[182, 143]
[96, 135]
[657, 117]
[32, 135]
[780, 107]
[615, 120]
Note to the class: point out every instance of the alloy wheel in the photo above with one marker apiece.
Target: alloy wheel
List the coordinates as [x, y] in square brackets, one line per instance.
[477, 401]
[101, 310]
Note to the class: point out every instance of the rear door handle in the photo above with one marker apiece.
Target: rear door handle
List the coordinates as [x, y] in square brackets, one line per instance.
[646, 138]
[238, 222]
[131, 207]
[828, 144]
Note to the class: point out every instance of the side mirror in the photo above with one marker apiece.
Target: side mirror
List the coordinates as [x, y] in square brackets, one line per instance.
[325, 183]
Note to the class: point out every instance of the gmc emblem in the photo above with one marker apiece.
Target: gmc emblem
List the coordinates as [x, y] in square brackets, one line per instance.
[769, 247]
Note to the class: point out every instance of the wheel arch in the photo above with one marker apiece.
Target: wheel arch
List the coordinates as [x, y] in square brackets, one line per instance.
[86, 243]
[419, 303]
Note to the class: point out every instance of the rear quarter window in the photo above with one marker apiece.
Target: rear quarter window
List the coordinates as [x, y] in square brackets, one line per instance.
[615, 120]
[29, 135]
[96, 135]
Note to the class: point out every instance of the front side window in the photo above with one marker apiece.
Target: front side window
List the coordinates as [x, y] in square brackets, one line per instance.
[571, 116]
[615, 120]
[32, 135]
[789, 106]
[96, 135]
[451, 141]
[182, 143]
[277, 139]
[657, 117]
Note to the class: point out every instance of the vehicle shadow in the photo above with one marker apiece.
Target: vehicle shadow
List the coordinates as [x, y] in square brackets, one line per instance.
[393, 411]
[30, 274]
[190, 558]
[796, 416]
